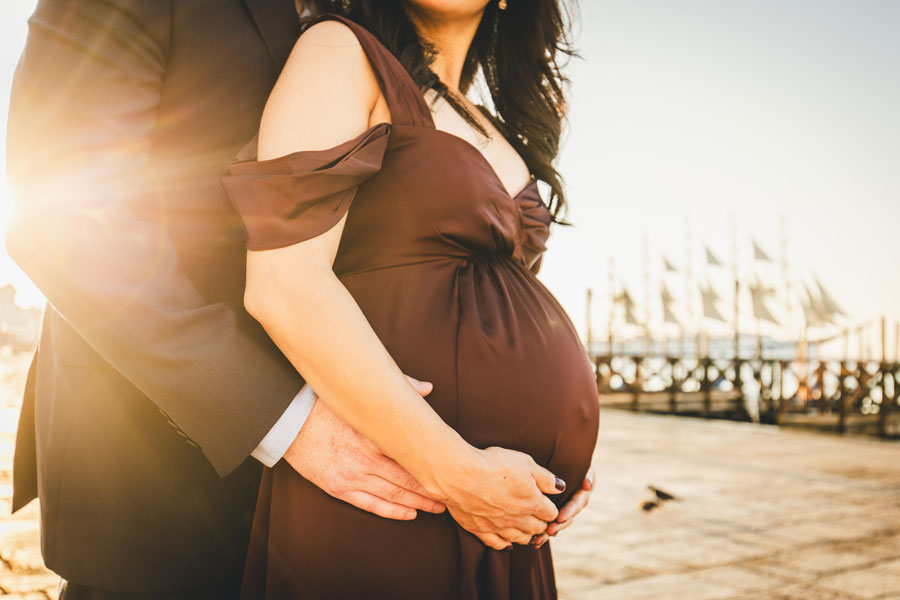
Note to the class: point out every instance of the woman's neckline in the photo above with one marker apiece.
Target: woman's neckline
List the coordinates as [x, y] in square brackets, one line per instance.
[487, 163]
[424, 108]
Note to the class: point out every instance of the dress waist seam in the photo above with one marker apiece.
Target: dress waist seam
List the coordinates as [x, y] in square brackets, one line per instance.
[464, 259]
[365, 270]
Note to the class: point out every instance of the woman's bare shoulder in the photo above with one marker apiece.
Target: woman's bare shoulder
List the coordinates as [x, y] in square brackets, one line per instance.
[330, 32]
[324, 95]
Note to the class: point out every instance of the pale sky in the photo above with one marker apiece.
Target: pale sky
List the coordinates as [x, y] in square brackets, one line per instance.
[714, 111]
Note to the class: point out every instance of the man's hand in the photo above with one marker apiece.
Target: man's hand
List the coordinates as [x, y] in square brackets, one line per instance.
[570, 509]
[334, 457]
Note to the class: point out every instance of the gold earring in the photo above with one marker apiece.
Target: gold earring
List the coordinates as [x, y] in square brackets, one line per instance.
[501, 5]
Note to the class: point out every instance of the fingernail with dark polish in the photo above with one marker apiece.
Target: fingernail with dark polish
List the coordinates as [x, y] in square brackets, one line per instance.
[560, 484]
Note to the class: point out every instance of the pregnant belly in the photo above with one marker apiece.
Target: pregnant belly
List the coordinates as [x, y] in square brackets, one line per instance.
[525, 380]
[507, 365]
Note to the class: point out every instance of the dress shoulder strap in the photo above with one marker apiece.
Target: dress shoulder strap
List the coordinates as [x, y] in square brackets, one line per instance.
[404, 99]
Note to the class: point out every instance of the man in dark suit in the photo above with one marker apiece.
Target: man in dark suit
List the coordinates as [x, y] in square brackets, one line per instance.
[152, 387]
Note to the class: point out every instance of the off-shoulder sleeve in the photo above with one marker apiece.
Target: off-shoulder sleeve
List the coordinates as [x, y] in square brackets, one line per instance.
[286, 200]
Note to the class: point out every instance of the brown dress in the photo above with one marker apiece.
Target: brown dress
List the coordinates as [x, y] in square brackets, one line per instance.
[440, 259]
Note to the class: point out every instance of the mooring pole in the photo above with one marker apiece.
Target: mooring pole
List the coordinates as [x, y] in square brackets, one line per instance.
[647, 344]
[587, 310]
[737, 288]
[612, 307]
[885, 407]
[897, 342]
[689, 296]
[846, 343]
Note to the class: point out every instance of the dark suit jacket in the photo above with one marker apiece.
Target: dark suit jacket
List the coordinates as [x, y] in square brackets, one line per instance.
[151, 384]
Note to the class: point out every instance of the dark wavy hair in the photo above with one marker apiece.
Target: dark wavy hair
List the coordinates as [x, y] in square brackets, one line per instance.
[516, 50]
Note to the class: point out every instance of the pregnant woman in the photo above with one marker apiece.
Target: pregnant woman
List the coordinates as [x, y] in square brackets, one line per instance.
[393, 228]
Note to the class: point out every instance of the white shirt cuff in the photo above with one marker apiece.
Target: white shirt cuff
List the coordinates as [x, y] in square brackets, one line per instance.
[272, 448]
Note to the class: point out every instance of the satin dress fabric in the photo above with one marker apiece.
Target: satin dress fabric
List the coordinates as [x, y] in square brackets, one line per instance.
[441, 259]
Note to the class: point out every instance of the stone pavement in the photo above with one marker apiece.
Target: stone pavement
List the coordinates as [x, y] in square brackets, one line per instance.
[22, 572]
[761, 513]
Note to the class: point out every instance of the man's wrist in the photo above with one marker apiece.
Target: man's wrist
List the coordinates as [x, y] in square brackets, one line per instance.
[273, 447]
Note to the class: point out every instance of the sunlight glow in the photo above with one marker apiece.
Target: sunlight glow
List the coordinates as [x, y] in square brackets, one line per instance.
[13, 16]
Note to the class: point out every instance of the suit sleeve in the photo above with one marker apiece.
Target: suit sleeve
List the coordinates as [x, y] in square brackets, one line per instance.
[83, 106]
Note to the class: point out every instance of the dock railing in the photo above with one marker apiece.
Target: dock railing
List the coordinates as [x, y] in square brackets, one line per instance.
[843, 395]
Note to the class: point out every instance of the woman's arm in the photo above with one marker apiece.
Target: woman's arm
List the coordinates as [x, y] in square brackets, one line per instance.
[326, 95]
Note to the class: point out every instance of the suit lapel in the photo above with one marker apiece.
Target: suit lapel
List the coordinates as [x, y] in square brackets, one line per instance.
[278, 24]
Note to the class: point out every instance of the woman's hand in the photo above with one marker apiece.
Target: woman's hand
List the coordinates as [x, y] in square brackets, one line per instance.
[499, 496]
[570, 510]
[575, 505]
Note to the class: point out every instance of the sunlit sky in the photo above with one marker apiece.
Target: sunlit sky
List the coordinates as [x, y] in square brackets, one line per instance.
[722, 114]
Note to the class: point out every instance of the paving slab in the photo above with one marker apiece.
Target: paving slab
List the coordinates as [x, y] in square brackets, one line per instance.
[763, 512]
[873, 582]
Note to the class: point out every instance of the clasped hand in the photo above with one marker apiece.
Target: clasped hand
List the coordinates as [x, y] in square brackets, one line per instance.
[496, 494]
[500, 498]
